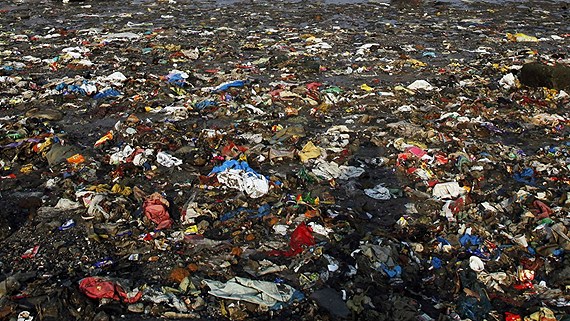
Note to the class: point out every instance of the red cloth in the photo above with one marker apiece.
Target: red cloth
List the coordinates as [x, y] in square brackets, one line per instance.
[301, 236]
[541, 210]
[156, 210]
[98, 288]
[512, 317]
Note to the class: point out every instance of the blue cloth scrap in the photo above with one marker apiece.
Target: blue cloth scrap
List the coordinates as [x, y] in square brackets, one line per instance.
[436, 262]
[531, 250]
[177, 80]
[228, 85]
[262, 211]
[480, 253]
[205, 104]
[392, 273]
[233, 164]
[70, 89]
[61, 86]
[526, 176]
[442, 241]
[107, 93]
[467, 239]
[231, 214]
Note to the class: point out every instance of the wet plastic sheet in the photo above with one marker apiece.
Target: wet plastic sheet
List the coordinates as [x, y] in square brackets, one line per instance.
[264, 293]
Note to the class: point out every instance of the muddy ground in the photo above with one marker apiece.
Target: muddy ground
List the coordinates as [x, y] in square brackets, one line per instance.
[307, 66]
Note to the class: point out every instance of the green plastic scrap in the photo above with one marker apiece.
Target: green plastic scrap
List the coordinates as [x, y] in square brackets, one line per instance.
[333, 90]
[304, 175]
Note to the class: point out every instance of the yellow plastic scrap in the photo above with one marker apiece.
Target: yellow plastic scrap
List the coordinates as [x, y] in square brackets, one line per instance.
[101, 188]
[417, 144]
[40, 147]
[309, 151]
[521, 37]
[172, 47]
[121, 189]
[365, 87]
[416, 63]
[178, 91]
[501, 68]
[402, 88]
[192, 229]
[26, 169]
[15, 101]
[550, 94]
[544, 314]
[313, 39]
[149, 109]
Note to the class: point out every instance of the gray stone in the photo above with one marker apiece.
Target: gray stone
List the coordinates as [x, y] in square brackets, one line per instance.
[540, 75]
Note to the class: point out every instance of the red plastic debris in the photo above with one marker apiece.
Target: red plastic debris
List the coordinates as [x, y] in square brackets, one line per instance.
[457, 205]
[512, 317]
[416, 151]
[524, 286]
[156, 210]
[301, 236]
[313, 86]
[233, 150]
[441, 159]
[98, 288]
[30, 253]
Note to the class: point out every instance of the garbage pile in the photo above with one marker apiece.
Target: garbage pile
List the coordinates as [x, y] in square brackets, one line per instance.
[251, 161]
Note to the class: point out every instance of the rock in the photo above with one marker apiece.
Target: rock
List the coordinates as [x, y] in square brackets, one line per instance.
[9, 285]
[540, 75]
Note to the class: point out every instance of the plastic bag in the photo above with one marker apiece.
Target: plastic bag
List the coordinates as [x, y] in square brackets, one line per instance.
[301, 236]
[309, 151]
[449, 190]
[238, 175]
[98, 288]
[379, 192]
[167, 160]
[420, 84]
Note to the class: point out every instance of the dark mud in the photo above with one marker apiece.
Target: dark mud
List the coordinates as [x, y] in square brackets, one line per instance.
[459, 47]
